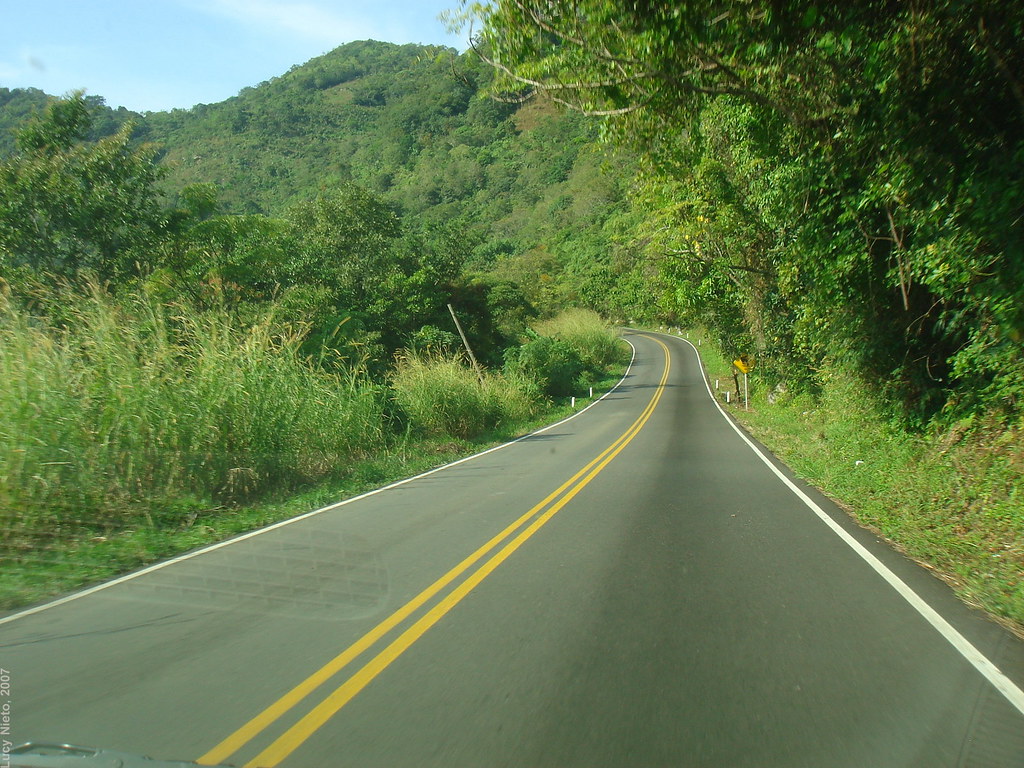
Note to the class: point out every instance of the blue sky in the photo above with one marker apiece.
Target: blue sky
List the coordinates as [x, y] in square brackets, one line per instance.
[162, 54]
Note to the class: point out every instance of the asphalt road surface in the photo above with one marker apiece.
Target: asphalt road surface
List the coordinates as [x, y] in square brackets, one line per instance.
[636, 586]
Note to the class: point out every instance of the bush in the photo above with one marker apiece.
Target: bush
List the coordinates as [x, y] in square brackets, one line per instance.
[441, 396]
[431, 339]
[596, 344]
[553, 364]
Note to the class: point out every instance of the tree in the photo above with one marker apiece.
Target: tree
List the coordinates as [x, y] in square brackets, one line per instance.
[68, 206]
[345, 243]
[893, 131]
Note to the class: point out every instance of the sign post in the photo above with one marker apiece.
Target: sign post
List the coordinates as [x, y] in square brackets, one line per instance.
[744, 364]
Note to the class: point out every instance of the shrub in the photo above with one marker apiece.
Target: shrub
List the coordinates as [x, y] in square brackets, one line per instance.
[431, 339]
[596, 344]
[553, 364]
[441, 396]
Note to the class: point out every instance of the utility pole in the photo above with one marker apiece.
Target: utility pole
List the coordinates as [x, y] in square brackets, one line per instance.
[465, 342]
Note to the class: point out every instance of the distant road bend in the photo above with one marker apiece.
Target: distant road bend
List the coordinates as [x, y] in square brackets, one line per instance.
[640, 585]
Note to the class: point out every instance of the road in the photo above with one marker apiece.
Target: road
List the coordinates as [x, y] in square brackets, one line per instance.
[635, 586]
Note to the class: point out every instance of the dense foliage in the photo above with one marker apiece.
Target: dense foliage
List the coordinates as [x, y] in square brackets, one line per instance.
[826, 188]
[67, 206]
[832, 187]
[521, 194]
[168, 349]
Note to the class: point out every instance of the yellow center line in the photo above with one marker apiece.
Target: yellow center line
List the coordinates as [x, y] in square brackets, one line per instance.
[298, 733]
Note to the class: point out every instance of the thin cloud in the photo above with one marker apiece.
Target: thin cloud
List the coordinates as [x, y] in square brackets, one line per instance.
[310, 21]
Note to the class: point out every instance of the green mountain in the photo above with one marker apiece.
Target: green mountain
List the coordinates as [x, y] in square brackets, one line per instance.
[409, 123]
[527, 185]
[365, 112]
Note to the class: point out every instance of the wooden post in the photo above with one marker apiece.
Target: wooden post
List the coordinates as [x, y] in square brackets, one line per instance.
[465, 342]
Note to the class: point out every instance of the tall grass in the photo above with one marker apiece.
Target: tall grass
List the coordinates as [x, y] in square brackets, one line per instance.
[126, 409]
[597, 345]
[440, 395]
[130, 431]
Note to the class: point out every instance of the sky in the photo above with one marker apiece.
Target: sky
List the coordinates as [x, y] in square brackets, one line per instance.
[153, 55]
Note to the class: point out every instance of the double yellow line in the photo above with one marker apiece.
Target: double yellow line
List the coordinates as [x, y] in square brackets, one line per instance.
[291, 739]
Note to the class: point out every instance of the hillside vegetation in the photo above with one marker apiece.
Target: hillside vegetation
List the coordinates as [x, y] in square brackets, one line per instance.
[827, 189]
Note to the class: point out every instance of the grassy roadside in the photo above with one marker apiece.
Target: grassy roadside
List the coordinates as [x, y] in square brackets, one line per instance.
[93, 553]
[953, 499]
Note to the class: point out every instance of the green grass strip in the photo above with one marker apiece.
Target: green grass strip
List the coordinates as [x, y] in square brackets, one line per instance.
[952, 499]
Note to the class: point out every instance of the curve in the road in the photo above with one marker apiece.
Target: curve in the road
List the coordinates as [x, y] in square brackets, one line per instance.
[669, 603]
[540, 514]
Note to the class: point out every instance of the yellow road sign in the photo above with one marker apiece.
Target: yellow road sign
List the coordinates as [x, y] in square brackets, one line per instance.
[745, 363]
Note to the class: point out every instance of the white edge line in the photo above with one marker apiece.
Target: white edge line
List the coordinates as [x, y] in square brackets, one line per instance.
[251, 534]
[990, 671]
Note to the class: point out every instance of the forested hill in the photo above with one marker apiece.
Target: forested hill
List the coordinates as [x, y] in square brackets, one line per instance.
[382, 115]
[533, 192]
